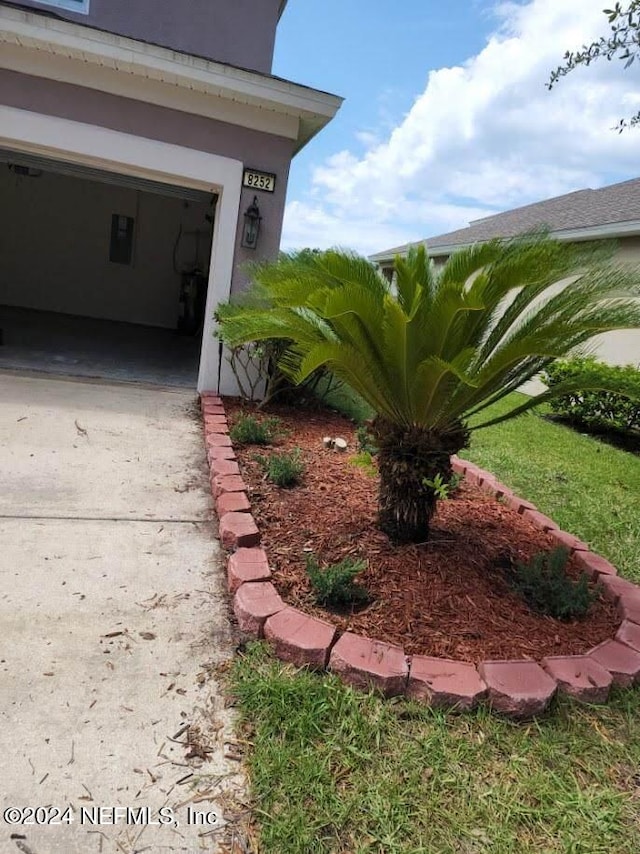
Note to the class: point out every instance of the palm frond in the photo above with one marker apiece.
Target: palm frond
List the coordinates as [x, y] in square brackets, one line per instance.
[443, 345]
[414, 279]
[348, 364]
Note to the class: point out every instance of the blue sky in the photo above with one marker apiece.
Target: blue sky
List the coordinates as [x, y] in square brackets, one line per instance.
[377, 61]
[446, 115]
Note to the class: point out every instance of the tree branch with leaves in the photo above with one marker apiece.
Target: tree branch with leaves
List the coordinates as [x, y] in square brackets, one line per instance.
[622, 43]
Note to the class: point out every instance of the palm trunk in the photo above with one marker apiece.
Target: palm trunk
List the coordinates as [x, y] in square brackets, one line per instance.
[409, 462]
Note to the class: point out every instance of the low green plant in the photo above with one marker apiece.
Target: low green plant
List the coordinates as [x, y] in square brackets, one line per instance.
[365, 440]
[364, 461]
[334, 585]
[443, 488]
[546, 587]
[248, 430]
[284, 469]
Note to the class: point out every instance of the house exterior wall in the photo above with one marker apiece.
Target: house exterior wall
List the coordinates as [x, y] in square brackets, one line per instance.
[622, 348]
[238, 32]
[255, 149]
[55, 248]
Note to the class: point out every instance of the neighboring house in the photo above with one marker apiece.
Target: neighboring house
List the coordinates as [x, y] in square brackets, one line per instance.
[608, 213]
[135, 136]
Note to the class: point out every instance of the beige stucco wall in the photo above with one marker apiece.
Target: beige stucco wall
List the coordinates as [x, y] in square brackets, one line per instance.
[622, 348]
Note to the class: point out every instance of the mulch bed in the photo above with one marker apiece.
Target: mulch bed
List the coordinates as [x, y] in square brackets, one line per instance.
[449, 597]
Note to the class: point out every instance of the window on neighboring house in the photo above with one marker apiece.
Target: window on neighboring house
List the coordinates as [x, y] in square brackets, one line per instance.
[80, 6]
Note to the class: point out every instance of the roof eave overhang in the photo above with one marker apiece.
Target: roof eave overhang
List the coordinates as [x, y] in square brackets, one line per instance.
[29, 37]
[609, 231]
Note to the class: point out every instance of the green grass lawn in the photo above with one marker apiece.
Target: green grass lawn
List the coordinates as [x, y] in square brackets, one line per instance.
[332, 770]
[589, 488]
[337, 772]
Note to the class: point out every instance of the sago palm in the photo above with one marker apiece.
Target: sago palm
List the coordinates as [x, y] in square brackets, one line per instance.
[437, 346]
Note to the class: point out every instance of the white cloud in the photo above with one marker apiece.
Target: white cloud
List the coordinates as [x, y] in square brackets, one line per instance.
[482, 137]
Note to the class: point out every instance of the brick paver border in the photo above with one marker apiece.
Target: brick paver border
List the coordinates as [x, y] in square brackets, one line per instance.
[518, 688]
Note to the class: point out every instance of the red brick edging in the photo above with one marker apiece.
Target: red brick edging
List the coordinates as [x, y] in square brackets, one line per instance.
[518, 688]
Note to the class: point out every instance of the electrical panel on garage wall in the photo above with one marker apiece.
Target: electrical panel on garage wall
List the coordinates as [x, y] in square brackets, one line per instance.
[121, 245]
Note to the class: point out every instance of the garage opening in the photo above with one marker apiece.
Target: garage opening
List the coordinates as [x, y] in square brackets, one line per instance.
[102, 275]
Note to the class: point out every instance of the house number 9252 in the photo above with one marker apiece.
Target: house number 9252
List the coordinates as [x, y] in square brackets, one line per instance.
[259, 180]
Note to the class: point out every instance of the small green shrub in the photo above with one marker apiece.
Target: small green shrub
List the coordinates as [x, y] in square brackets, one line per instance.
[247, 430]
[334, 586]
[364, 461]
[284, 469]
[597, 410]
[444, 489]
[365, 440]
[545, 586]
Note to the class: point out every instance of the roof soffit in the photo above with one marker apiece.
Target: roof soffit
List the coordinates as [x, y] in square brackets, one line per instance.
[37, 41]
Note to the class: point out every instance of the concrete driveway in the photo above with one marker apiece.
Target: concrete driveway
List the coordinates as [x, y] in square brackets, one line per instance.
[113, 624]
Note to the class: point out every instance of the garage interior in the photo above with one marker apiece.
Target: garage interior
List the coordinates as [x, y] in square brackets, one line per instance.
[102, 275]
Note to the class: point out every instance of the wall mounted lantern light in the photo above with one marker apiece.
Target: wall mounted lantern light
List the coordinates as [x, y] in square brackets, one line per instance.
[252, 220]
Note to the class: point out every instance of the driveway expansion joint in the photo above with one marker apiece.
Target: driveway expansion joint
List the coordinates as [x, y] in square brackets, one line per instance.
[144, 519]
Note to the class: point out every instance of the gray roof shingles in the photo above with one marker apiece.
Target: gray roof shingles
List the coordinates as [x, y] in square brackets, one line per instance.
[581, 209]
